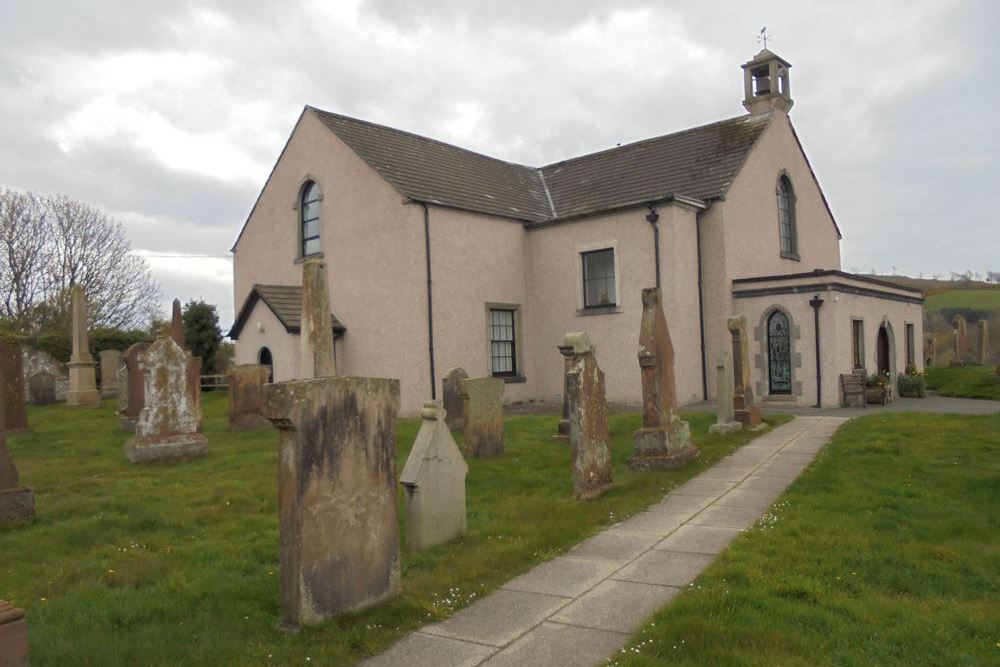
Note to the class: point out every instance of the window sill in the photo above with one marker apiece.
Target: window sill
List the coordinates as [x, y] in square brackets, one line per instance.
[512, 379]
[315, 255]
[794, 256]
[603, 310]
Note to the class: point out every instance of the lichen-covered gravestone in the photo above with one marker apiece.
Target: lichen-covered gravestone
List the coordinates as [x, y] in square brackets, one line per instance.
[725, 420]
[482, 434]
[434, 483]
[42, 388]
[316, 358]
[454, 407]
[135, 388]
[82, 372]
[169, 426]
[246, 396]
[744, 407]
[664, 441]
[17, 503]
[588, 417]
[11, 366]
[562, 430]
[339, 532]
[177, 323]
[13, 636]
[984, 342]
[111, 361]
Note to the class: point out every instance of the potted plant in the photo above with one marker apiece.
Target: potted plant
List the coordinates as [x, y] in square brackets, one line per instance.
[912, 383]
[876, 388]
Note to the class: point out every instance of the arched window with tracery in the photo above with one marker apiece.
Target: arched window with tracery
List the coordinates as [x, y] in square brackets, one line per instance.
[309, 210]
[786, 218]
[779, 354]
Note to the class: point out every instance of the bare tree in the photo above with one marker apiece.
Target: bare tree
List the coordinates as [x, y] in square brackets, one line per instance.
[23, 253]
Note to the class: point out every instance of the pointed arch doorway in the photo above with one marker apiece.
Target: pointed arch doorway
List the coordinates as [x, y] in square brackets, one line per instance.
[883, 350]
[264, 359]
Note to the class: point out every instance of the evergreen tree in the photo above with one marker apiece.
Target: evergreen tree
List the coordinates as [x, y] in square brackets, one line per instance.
[202, 334]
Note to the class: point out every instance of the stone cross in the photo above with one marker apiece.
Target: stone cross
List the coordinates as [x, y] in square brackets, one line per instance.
[17, 503]
[482, 434]
[177, 324]
[169, 425]
[82, 374]
[339, 532]
[434, 482]
[111, 361]
[588, 417]
[984, 342]
[12, 367]
[746, 410]
[725, 422]
[316, 335]
[664, 441]
[454, 408]
[246, 396]
[135, 387]
[13, 636]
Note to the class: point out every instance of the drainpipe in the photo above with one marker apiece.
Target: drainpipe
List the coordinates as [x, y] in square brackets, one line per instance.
[430, 298]
[816, 302]
[701, 308]
[652, 218]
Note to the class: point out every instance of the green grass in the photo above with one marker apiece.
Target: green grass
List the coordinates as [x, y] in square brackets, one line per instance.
[979, 299]
[884, 552]
[965, 381]
[170, 564]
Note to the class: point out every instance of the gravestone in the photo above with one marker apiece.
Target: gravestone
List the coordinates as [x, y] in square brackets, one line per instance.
[11, 366]
[177, 324]
[246, 396]
[746, 410]
[82, 374]
[930, 349]
[664, 441]
[35, 361]
[434, 482]
[13, 636]
[42, 388]
[588, 417]
[562, 430]
[454, 408]
[111, 361]
[984, 342]
[316, 336]
[169, 425]
[17, 503]
[121, 378]
[339, 535]
[961, 340]
[482, 400]
[725, 421]
[135, 387]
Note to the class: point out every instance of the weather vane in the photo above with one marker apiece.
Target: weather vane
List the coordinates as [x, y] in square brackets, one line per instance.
[763, 36]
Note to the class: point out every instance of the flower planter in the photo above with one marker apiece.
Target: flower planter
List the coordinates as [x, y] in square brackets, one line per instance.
[875, 395]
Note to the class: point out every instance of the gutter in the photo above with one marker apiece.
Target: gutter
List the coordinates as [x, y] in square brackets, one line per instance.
[430, 298]
[816, 302]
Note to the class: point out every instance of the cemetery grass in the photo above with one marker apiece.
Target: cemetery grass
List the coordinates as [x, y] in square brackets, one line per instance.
[177, 563]
[965, 381]
[884, 552]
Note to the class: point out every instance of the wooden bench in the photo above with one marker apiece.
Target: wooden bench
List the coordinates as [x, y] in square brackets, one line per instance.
[852, 386]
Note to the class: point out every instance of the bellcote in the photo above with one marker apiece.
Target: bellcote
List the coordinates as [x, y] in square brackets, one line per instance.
[765, 84]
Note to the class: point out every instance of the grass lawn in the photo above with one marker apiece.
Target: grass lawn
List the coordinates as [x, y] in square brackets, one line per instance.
[965, 381]
[980, 299]
[884, 552]
[169, 564]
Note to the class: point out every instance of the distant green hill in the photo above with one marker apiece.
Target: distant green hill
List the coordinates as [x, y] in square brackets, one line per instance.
[978, 299]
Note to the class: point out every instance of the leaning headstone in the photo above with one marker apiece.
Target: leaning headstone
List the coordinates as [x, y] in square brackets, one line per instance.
[17, 503]
[11, 366]
[588, 417]
[725, 419]
[13, 636]
[246, 396]
[135, 387]
[664, 441]
[482, 400]
[169, 426]
[316, 336]
[82, 374]
[434, 481]
[111, 361]
[984, 342]
[339, 533]
[42, 388]
[454, 409]
[746, 410]
[177, 323]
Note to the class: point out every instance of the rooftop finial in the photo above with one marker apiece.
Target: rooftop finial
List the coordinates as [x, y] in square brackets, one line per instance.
[762, 37]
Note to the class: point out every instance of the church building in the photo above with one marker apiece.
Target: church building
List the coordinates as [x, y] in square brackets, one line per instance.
[439, 257]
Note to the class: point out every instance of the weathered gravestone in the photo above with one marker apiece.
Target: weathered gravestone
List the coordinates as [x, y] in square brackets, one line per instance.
[11, 366]
[177, 323]
[35, 361]
[725, 422]
[339, 536]
[562, 430]
[746, 410]
[17, 503]
[82, 374]
[111, 361]
[961, 334]
[169, 426]
[454, 407]
[984, 342]
[42, 388]
[13, 636]
[121, 377]
[246, 396]
[316, 336]
[930, 350]
[134, 390]
[588, 417]
[482, 399]
[434, 483]
[664, 441]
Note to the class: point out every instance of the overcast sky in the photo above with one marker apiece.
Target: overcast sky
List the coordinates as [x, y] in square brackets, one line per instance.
[170, 115]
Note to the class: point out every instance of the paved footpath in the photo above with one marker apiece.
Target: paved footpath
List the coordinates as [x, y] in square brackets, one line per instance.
[582, 607]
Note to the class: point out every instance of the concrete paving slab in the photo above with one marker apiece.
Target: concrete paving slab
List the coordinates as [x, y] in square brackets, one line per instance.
[564, 576]
[786, 470]
[804, 446]
[696, 539]
[664, 568]
[681, 504]
[620, 606]
[422, 650]
[727, 517]
[499, 618]
[558, 645]
[614, 546]
[742, 458]
[704, 487]
[759, 500]
[758, 483]
[788, 456]
[729, 473]
[659, 524]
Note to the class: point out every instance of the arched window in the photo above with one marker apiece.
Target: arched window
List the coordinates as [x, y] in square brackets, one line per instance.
[779, 354]
[264, 359]
[309, 218]
[786, 218]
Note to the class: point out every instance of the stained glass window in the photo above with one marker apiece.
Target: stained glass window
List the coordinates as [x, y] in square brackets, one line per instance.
[779, 353]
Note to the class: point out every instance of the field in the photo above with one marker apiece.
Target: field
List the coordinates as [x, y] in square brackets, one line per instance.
[884, 552]
[978, 299]
[176, 564]
[965, 381]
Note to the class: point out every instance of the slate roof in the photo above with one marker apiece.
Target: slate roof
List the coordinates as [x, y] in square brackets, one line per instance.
[285, 301]
[698, 163]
